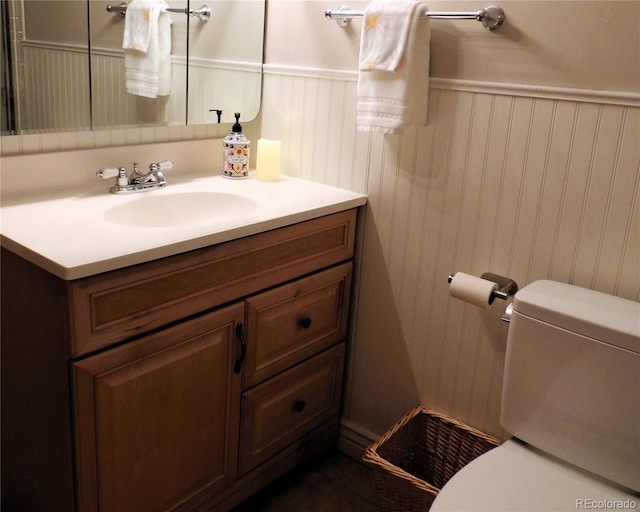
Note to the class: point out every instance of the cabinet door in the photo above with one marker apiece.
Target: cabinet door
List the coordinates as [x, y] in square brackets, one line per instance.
[157, 419]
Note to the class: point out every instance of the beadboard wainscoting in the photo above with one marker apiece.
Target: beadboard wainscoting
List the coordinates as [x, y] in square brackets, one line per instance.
[54, 93]
[113, 107]
[527, 182]
[55, 79]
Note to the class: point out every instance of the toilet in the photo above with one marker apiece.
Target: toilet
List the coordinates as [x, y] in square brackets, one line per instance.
[570, 401]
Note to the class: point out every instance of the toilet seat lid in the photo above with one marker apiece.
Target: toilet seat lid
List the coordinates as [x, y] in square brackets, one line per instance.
[517, 477]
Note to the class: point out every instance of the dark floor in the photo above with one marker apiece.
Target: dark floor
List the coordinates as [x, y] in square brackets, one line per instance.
[335, 483]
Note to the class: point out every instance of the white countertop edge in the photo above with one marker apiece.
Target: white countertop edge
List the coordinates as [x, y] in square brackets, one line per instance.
[172, 249]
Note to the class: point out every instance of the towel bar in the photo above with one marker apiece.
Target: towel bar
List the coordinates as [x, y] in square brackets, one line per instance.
[203, 13]
[490, 17]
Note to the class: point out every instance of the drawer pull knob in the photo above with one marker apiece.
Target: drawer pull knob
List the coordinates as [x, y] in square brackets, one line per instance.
[299, 405]
[305, 323]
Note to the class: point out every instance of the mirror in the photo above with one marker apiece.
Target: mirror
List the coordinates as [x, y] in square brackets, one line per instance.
[63, 66]
[45, 66]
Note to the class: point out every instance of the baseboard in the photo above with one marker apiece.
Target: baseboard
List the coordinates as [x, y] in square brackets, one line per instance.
[353, 440]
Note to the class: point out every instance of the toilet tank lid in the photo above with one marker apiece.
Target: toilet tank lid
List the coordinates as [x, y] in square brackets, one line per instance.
[604, 317]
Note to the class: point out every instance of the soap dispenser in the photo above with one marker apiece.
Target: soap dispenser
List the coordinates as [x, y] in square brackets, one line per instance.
[235, 152]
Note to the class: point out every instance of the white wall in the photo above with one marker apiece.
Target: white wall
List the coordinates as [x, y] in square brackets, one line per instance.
[588, 44]
[528, 167]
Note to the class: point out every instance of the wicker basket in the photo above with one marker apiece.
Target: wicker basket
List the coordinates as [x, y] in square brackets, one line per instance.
[418, 455]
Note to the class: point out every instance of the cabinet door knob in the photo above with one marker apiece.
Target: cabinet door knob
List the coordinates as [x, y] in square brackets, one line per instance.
[299, 405]
[305, 323]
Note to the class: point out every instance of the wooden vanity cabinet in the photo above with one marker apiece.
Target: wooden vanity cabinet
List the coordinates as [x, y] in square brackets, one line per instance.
[193, 380]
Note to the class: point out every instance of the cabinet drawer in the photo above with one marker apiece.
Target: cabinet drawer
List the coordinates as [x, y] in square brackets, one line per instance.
[284, 408]
[117, 305]
[291, 323]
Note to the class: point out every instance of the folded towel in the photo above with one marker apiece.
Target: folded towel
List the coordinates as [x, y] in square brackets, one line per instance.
[147, 45]
[393, 78]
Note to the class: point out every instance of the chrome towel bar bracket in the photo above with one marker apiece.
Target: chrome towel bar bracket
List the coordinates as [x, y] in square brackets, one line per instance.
[491, 17]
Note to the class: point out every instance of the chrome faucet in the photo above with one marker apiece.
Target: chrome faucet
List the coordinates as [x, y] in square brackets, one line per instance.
[136, 181]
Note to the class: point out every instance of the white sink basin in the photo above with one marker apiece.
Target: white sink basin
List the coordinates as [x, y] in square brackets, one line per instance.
[180, 209]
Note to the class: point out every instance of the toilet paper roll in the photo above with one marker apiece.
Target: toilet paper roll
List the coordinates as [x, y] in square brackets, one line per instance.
[472, 289]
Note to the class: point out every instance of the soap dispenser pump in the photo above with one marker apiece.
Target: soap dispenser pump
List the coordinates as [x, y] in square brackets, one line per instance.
[235, 152]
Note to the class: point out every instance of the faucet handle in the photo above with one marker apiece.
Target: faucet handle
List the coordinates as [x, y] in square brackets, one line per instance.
[120, 173]
[165, 165]
[109, 172]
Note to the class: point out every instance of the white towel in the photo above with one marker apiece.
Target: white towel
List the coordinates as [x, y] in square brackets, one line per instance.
[147, 45]
[393, 78]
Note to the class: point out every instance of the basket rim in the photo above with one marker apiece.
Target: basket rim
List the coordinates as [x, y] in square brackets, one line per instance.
[423, 410]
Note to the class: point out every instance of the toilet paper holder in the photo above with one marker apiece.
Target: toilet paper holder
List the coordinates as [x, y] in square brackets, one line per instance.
[506, 285]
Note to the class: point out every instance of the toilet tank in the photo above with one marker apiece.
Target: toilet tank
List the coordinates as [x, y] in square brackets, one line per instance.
[572, 378]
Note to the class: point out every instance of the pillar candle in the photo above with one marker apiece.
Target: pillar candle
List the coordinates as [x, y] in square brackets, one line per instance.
[268, 160]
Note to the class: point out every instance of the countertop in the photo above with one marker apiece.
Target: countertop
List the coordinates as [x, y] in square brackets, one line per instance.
[83, 235]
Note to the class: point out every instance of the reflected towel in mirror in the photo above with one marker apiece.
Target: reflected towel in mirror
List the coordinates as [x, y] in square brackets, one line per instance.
[147, 46]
